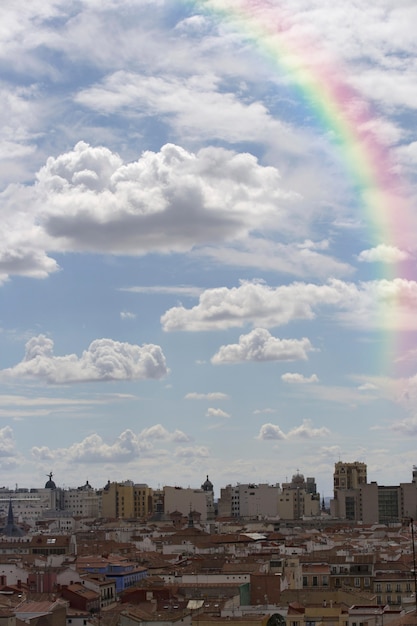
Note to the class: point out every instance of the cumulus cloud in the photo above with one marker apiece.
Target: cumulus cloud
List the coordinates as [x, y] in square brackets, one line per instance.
[299, 379]
[212, 412]
[128, 446]
[380, 303]
[104, 360]
[7, 443]
[303, 431]
[259, 345]
[213, 395]
[88, 199]
[159, 432]
[173, 200]
[197, 452]
[306, 431]
[9, 456]
[270, 431]
[383, 254]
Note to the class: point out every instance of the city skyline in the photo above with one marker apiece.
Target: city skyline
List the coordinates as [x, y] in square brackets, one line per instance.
[207, 263]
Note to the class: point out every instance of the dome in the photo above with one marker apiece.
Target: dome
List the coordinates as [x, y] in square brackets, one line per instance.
[207, 485]
[50, 483]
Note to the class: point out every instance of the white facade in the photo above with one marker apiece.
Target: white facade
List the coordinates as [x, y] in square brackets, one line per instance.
[83, 502]
[28, 505]
[249, 500]
[186, 500]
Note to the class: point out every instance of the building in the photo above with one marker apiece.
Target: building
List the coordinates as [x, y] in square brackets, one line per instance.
[249, 501]
[183, 500]
[371, 503]
[124, 573]
[299, 499]
[347, 480]
[126, 500]
[83, 501]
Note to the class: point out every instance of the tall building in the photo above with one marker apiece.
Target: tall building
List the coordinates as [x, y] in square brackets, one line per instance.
[299, 498]
[372, 503]
[347, 480]
[349, 475]
[126, 500]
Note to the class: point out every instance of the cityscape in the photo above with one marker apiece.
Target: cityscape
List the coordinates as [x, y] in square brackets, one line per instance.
[258, 555]
[354, 499]
[208, 275]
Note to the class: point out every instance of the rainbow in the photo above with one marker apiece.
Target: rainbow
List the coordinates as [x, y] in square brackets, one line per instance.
[342, 113]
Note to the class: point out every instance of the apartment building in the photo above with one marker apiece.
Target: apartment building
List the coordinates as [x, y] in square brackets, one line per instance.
[83, 501]
[249, 500]
[186, 500]
[126, 500]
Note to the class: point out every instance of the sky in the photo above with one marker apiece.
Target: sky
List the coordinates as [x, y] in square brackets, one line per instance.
[208, 251]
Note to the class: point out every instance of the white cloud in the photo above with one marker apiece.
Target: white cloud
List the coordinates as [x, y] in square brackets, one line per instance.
[368, 387]
[270, 431]
[159, 432]
[259, 345]
[197, 452]
[213, 395]
[7, 443]
[104, 360]
[299, 379]
[212, 412]
[195, 106]
[176, 290]
[127, 315]
[386, 304]
[289, 258]
[166, 201]
[127, 447]
[407, 426]
[383, 254]
[304, 431]
[9, 455]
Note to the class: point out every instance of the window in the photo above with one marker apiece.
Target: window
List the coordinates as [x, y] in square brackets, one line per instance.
[389, 600]
[357, 582]
[366, 582]
[325, 581]
[305, 583]
[379, 599]
[389, 587]
[315, 581]
[398, 587]
[378, 587]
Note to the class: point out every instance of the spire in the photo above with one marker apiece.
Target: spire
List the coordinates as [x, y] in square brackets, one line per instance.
[10, 519]
[11, 529]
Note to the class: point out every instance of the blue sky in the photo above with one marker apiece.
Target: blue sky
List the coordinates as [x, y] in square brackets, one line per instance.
[190, 282]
